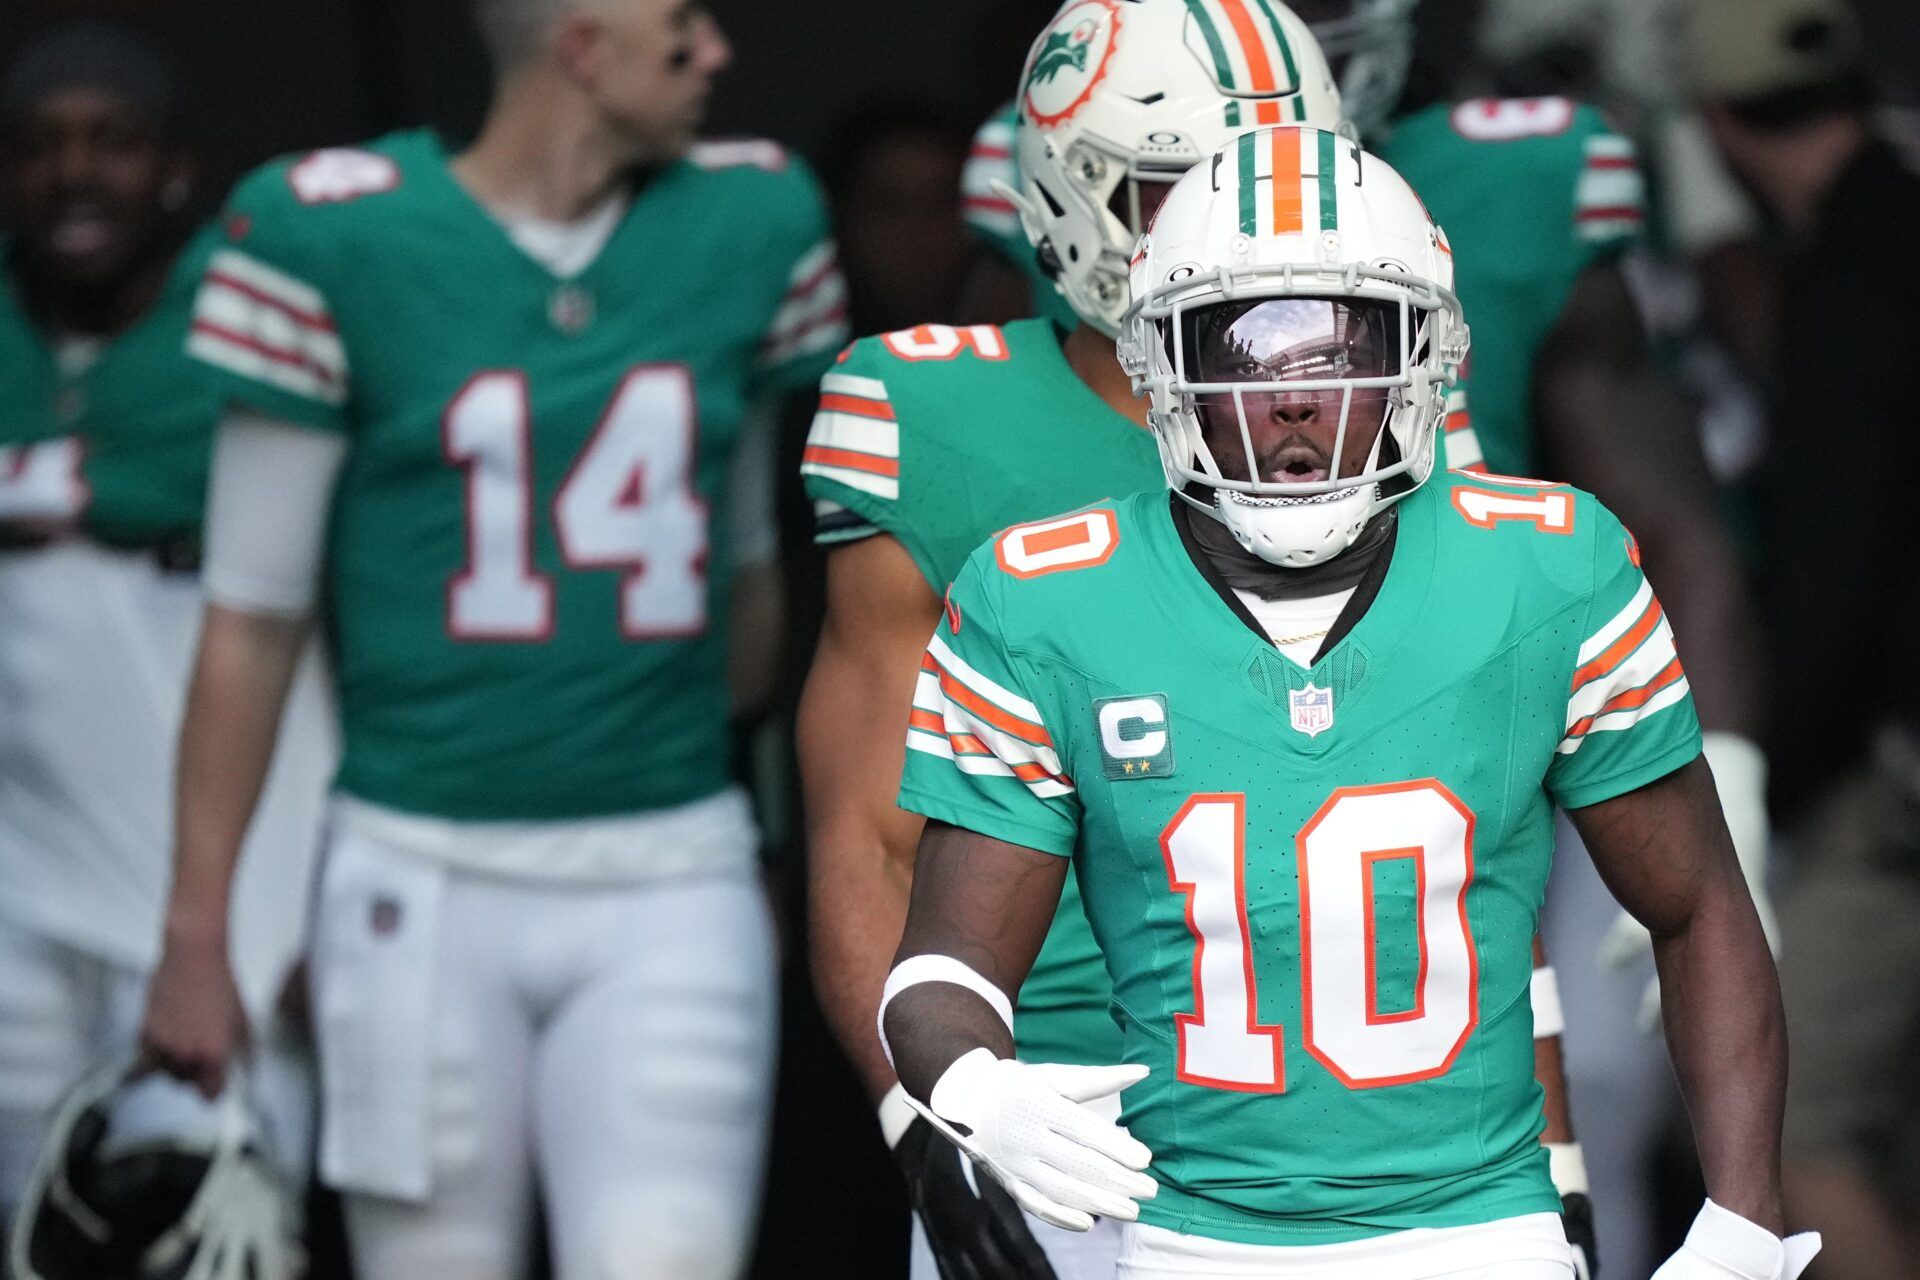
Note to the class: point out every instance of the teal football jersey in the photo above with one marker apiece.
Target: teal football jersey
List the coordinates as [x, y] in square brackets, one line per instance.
[1516, 260]
[942, 437]
[118, 444]
[1315, 888]
[525, 593]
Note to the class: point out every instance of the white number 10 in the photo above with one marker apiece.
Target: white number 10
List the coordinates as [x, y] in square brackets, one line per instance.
[1221, 1043]
[628, 503]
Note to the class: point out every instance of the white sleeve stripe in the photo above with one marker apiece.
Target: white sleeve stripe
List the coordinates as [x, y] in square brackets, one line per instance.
[848, 384]
[1618, 625]
[1004, 698]
[1642, 665]
[928, 696]
[829, 334]
[1463, 449]
[1611, 146]
[296, 295]
[1627, 718]
[224, 313]
[257, 364]
[835, 430]
[933, 744]
[808, 309]
[879, 486]
[815, 266]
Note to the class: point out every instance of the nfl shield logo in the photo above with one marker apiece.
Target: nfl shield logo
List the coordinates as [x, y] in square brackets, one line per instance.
[1311, 709]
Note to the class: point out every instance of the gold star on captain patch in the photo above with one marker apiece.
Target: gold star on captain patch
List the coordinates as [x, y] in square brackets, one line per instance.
[1145, 765]
[1127, 765]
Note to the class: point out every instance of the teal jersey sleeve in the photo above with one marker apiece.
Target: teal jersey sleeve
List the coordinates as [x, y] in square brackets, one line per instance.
[1630, 714]
[263, 319]
[809, 323]
[851, 463]
[991, 217]
[979, 754]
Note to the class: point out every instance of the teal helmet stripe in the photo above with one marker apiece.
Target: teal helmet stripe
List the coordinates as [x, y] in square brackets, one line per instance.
[1286, 46]
[1249, 210]
[1233, 113]
[1300, 106]
[1329, 189]
[1222, 67]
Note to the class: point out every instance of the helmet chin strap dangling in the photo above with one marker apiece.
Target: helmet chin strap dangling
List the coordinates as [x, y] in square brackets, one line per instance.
[1295, 533]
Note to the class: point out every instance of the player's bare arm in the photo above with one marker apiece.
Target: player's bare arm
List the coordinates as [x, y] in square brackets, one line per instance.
[852, 730]
[241, 676]
[1615, 424]
[756, 631]
[987, 904]
[1665, 853]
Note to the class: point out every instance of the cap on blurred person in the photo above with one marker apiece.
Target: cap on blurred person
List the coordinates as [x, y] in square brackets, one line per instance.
[93, 54]
[1779, 53]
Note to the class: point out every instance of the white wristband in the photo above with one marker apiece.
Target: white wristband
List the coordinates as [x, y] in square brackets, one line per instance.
[915, 970]
[896, 1115]
[1548, 1018]
[1568, 1168]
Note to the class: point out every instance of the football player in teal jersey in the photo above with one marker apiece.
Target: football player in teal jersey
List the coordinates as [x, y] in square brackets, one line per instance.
[1301, 725]
[106, 431]
[491, 408]
[1542, 199]
[929, 440]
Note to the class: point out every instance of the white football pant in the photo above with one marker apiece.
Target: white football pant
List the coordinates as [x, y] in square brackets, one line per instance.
[478, 1030]
[62, 1012]
[1532, 1247]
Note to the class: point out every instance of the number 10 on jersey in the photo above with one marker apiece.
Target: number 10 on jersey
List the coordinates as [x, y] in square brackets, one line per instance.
[627, 503]
[1222, 1043]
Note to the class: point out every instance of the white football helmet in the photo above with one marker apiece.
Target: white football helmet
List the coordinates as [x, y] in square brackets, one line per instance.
[1290, 268]
[186, 1191]
[1120, 92]
[1370, 45]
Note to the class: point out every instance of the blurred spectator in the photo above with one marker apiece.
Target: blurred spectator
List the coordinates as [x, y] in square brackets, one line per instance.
[1786, 99]
[892, 173]
[108, 432]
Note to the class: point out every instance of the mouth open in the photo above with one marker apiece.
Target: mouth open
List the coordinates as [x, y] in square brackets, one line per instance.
[1296, 464]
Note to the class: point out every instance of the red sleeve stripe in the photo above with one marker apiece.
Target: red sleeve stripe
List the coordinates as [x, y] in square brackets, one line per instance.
[1612, 213]
[990, 204]
[309, 319]
[279, 355]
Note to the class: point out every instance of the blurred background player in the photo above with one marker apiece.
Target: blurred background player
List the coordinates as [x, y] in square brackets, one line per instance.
[490, 404]
[1541, 199]
[1313, 830]
[99, 600]
[932, 438]
[1785, 96]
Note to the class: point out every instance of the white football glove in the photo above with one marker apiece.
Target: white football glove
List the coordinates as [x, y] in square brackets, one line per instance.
[1740, 774]
[1023, 1124]
[1722, 1245]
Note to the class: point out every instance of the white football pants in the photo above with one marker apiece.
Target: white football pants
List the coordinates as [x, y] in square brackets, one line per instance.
[1532, 1247]
[617, 1041]
[62, 1012]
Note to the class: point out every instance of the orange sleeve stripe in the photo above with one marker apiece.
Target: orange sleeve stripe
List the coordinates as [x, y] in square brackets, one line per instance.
[1459, 420]
[1005, 721]
[927, 721]
[1669, 675]
[1620, 650]
[860, 406]
[851, 459]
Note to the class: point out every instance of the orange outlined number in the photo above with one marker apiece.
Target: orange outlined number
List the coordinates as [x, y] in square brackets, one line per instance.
[1052, 546]
[944, 342]
[1487, 509]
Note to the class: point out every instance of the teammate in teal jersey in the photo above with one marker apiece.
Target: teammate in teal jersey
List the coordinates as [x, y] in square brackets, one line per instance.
[1301, 726]
[105, 433]
[493, 404]
[931, 439]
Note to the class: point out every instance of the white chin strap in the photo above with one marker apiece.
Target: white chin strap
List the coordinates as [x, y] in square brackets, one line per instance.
[1295, 533]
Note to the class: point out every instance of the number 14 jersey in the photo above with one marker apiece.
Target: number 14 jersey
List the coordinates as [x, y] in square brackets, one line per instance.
[525, 596]
[1315, 888]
